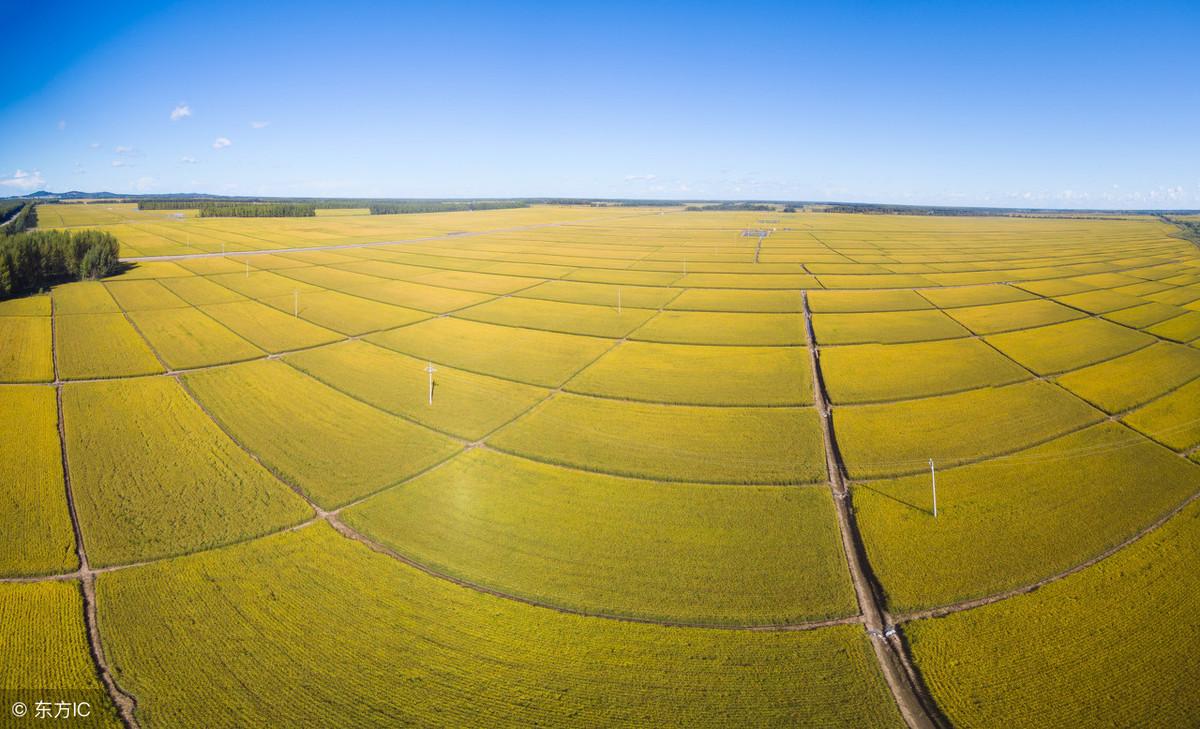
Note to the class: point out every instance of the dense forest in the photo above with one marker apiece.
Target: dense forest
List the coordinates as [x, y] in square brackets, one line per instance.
[257, 210]
[399, 208]
[31, 260]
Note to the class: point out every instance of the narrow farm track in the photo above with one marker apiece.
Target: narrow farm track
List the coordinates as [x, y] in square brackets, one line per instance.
[125, 702]
[915, 704]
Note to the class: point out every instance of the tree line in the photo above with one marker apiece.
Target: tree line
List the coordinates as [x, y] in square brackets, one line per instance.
[33, 259]
[257, 210]
[402, 208]
[742, 206]
[23, 219]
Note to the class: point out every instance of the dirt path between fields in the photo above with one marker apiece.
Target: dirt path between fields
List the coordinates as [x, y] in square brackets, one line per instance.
[124, 702]
[915, 704]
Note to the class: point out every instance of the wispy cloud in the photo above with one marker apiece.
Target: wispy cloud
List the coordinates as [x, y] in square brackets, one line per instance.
[121, 163]
[144, 183]
[24, 180]
[259, 124]
[641, 178]
[94, 145]
[188, 160]
[62, 124]
[221, 143]
[181, 111]
[122, 149]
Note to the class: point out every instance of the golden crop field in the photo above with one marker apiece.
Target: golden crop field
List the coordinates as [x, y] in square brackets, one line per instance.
[570, 465]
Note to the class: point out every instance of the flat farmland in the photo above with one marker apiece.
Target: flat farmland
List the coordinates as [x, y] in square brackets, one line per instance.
[570, 465]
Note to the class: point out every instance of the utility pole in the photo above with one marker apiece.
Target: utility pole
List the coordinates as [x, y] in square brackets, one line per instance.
[933, 482]
[430, 369]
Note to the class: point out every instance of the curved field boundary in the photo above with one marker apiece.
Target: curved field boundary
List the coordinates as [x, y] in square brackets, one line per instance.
[958, 607]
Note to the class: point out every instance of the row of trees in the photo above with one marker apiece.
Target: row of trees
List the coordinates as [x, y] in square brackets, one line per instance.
[31, 260]
[257, 210]
[22, 220]
[742, 206]
[401, 208]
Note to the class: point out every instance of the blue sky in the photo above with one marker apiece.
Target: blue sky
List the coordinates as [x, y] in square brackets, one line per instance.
[1013, 104]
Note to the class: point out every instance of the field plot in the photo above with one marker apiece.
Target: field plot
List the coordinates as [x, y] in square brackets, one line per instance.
[681, 552]
[33, 305]
[1173, 419]
[1059, 347]
[948, 298]
[346, 314]
[1183, 328]
[101, 345]
[138, 295]
[43, 621]
[691, 327]
[84, 297]
[861, 373]
[994, 318]
[536, 357]
[26, 355]
[780, 302]
[885, 327]
[466, 405]
[1144, 315]
[187, 338]
[672, 442]
[1052, 657]
[329, 445]
[268, 328]
[643, 297]
[33, 507]
[326, 605]
[556, 316]
[198, 290]
[858, 301]
[154, 477]
[899, 438]
[1126, 382]
[1027, 516]
[700, 375]
[1101, 302]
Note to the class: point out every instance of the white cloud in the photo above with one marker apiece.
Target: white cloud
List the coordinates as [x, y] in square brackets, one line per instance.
[122, 149]
[94, 145]
[144, 183]
[120, 163]
[188, 160]
[182, 111]
[640, 178]
[221, 143]
[24, 180]
[258, 124]
[62, 124]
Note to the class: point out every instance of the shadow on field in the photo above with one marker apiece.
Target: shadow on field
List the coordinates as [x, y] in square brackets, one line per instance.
[902, 502]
